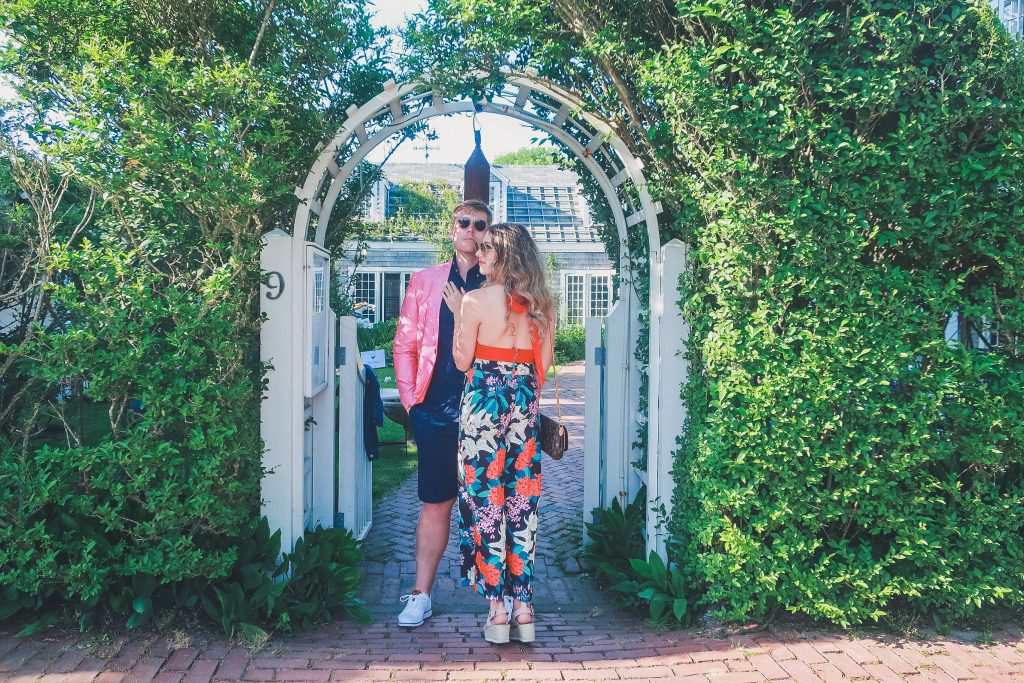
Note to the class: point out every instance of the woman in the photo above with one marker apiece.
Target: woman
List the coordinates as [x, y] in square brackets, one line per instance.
[503, 340]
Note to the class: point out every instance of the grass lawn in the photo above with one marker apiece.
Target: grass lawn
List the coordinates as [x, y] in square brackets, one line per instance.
[397, 461]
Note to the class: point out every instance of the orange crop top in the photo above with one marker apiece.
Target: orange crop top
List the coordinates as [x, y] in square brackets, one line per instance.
[517, 304]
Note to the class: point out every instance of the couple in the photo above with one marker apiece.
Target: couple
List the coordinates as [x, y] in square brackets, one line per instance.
[475, 337]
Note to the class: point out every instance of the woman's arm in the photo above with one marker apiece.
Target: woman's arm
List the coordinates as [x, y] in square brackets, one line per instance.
[467, 326]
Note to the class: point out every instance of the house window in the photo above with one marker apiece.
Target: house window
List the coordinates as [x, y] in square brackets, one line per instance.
[574, 299]
[1011, 13]
[391, 299]
[364, 296]
[600, 292]
[980, 334]
[585, 296]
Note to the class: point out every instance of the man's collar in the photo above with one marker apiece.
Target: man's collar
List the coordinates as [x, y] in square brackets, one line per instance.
[454, 267]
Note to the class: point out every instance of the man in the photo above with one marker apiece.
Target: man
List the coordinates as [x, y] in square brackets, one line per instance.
[430, 387]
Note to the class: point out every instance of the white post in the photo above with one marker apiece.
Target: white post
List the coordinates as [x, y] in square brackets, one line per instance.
[280, 298]
[668, 370]
[594, 418]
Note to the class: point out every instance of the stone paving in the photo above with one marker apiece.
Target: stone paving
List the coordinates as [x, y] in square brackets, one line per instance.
[580, 635]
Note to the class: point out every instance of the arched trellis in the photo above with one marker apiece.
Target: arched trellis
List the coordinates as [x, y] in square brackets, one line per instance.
[525, 97]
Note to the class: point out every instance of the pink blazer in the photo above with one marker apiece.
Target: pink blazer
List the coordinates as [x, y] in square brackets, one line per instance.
[416, 338]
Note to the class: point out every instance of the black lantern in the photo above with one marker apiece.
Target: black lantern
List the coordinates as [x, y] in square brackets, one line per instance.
[477, 174]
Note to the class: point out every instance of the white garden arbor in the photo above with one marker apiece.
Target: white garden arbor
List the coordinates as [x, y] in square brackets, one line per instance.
[298, 415]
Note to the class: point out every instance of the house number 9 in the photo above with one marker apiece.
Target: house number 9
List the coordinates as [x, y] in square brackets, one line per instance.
[277, 287]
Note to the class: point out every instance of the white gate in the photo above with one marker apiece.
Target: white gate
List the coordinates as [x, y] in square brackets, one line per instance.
[612, 386]
[612, 415]
[617, 172]
[355, 471]
[297, 414]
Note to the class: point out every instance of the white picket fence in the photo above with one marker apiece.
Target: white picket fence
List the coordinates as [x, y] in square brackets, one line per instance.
[355, 471]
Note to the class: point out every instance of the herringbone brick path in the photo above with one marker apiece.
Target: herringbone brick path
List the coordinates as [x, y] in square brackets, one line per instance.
[391, 544]
[580, 636]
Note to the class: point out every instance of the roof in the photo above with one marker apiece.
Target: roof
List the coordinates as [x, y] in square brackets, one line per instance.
[552, 176]
[546, 199]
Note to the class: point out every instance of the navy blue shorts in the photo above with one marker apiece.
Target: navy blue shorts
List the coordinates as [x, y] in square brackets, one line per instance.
[437, 452]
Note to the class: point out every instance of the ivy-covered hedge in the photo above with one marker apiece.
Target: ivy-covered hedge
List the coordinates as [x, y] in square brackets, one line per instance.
[854, 193]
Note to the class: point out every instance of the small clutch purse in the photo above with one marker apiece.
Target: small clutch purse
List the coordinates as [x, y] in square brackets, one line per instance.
[554, 437]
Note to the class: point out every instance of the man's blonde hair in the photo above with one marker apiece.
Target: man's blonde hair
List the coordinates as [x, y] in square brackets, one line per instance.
[475, 205]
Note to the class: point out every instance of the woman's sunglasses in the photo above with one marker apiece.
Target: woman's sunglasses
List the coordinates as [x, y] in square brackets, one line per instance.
[479, 224]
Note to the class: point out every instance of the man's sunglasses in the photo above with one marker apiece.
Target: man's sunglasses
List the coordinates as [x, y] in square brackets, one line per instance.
[479, 224]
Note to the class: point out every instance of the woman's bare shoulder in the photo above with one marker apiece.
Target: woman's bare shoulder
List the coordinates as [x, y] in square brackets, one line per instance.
[487, 294]
[478, 298]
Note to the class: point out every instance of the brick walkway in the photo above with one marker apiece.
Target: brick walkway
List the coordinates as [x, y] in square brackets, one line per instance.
[391, 545]
[580, 635]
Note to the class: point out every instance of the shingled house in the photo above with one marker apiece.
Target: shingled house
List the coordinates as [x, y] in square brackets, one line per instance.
[545, 199]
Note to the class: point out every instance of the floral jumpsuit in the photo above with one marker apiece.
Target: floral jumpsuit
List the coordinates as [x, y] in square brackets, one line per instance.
[499, 476]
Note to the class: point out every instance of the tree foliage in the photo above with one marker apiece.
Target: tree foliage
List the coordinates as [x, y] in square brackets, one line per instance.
[425, 212]
[190, 123]
[530, 156]
[845, 175]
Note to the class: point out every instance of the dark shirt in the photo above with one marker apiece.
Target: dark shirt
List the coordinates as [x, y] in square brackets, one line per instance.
[444, 394]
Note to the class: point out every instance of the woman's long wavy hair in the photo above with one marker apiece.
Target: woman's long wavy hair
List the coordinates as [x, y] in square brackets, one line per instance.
[519, 267]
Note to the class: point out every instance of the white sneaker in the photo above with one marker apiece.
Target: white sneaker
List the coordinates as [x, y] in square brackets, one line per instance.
[417, 610]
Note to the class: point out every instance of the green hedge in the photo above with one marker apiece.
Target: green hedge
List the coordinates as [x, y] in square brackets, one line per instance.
[570, 343]
[855, 181]
[379, 336]
[179, 154]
